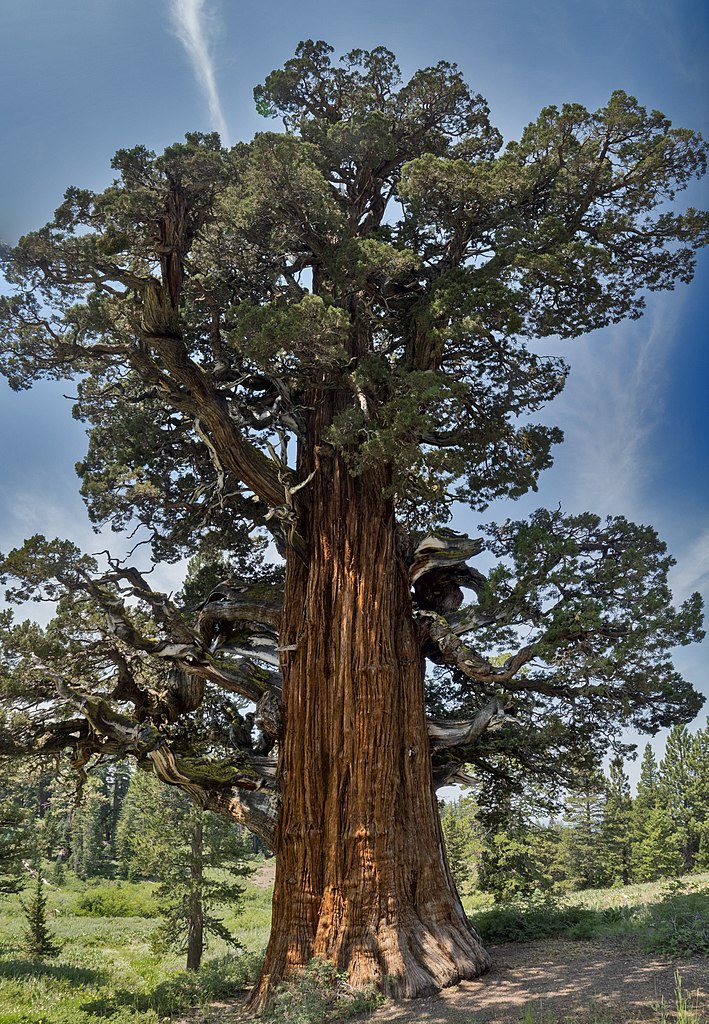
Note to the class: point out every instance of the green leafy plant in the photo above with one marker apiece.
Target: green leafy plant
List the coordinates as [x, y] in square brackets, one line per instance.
[685, 1011]
[221, 978]
[679, 925]
[116, 901]
[317, 994]
[539, 917]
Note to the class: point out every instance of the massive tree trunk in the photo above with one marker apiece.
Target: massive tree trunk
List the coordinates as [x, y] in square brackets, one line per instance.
[362, 878]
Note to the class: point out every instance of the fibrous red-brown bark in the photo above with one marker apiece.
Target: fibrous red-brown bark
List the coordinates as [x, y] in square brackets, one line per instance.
[361, 879]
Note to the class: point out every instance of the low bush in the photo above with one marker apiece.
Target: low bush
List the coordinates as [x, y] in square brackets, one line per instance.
[540, 917]
[679, 924]
[116, 901]
[221, 978]
[319, 994]
[676, 925]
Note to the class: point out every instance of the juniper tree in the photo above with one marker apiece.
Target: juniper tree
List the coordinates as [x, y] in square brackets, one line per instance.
[320, 337]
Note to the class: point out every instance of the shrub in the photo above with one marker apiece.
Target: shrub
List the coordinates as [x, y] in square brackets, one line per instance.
[679, 925]
[221, 978]
[317, 994]
[540, 917]
[116, 901]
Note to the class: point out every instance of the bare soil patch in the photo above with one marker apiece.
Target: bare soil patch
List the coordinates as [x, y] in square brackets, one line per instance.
[562, 981]
[265, 875]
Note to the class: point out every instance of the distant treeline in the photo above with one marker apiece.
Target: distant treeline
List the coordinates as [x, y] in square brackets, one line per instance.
[602, 836]
[88, 829]
[507, 845]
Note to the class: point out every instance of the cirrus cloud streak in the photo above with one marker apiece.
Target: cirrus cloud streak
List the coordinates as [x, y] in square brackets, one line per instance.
[191, 20]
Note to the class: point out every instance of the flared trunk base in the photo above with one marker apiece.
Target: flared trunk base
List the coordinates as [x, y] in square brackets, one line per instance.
[409, 961]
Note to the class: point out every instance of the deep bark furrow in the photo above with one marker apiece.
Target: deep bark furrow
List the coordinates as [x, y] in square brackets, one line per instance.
[362, 878]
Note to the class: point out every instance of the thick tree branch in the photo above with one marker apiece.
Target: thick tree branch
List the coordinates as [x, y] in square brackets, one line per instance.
[438, 571]
[228, 604]
[446, 648]
[235, 453]
[450, 734]
[252, 806]
[229, 785]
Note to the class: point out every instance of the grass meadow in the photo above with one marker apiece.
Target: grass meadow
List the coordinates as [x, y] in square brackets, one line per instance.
[107, 973]
[106, 969]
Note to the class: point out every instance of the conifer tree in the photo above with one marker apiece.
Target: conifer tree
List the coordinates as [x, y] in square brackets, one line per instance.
[648, 781]
[582, 834]
[643, 855]
[90, 853]
[162, 834]
[462, 838]
[519, 846]
[616, 825]
[676, 792]
[321, 337]
[38, 941]
[15, 845]
[20, 831]
[699, 796]
[658, 852]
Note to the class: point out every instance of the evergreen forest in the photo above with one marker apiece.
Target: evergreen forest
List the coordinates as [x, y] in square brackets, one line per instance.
[121, 824]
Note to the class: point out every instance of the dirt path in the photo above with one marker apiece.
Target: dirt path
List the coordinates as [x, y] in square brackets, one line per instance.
[561, 982]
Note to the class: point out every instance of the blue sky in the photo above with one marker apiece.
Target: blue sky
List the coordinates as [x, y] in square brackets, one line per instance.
[79, 80]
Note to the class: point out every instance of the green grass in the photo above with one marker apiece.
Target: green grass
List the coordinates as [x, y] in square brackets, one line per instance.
[670, 918]
[106, 973]
[117, 899]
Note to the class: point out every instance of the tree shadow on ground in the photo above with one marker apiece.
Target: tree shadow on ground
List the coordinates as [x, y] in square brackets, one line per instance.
[26, 968]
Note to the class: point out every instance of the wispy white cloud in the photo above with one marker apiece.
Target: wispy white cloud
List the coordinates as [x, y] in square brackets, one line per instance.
[193, 24]
[692, 570]
[32, 509]
[612, 404]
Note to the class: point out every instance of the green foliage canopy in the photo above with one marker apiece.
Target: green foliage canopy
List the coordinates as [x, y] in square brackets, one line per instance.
[388, 252]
